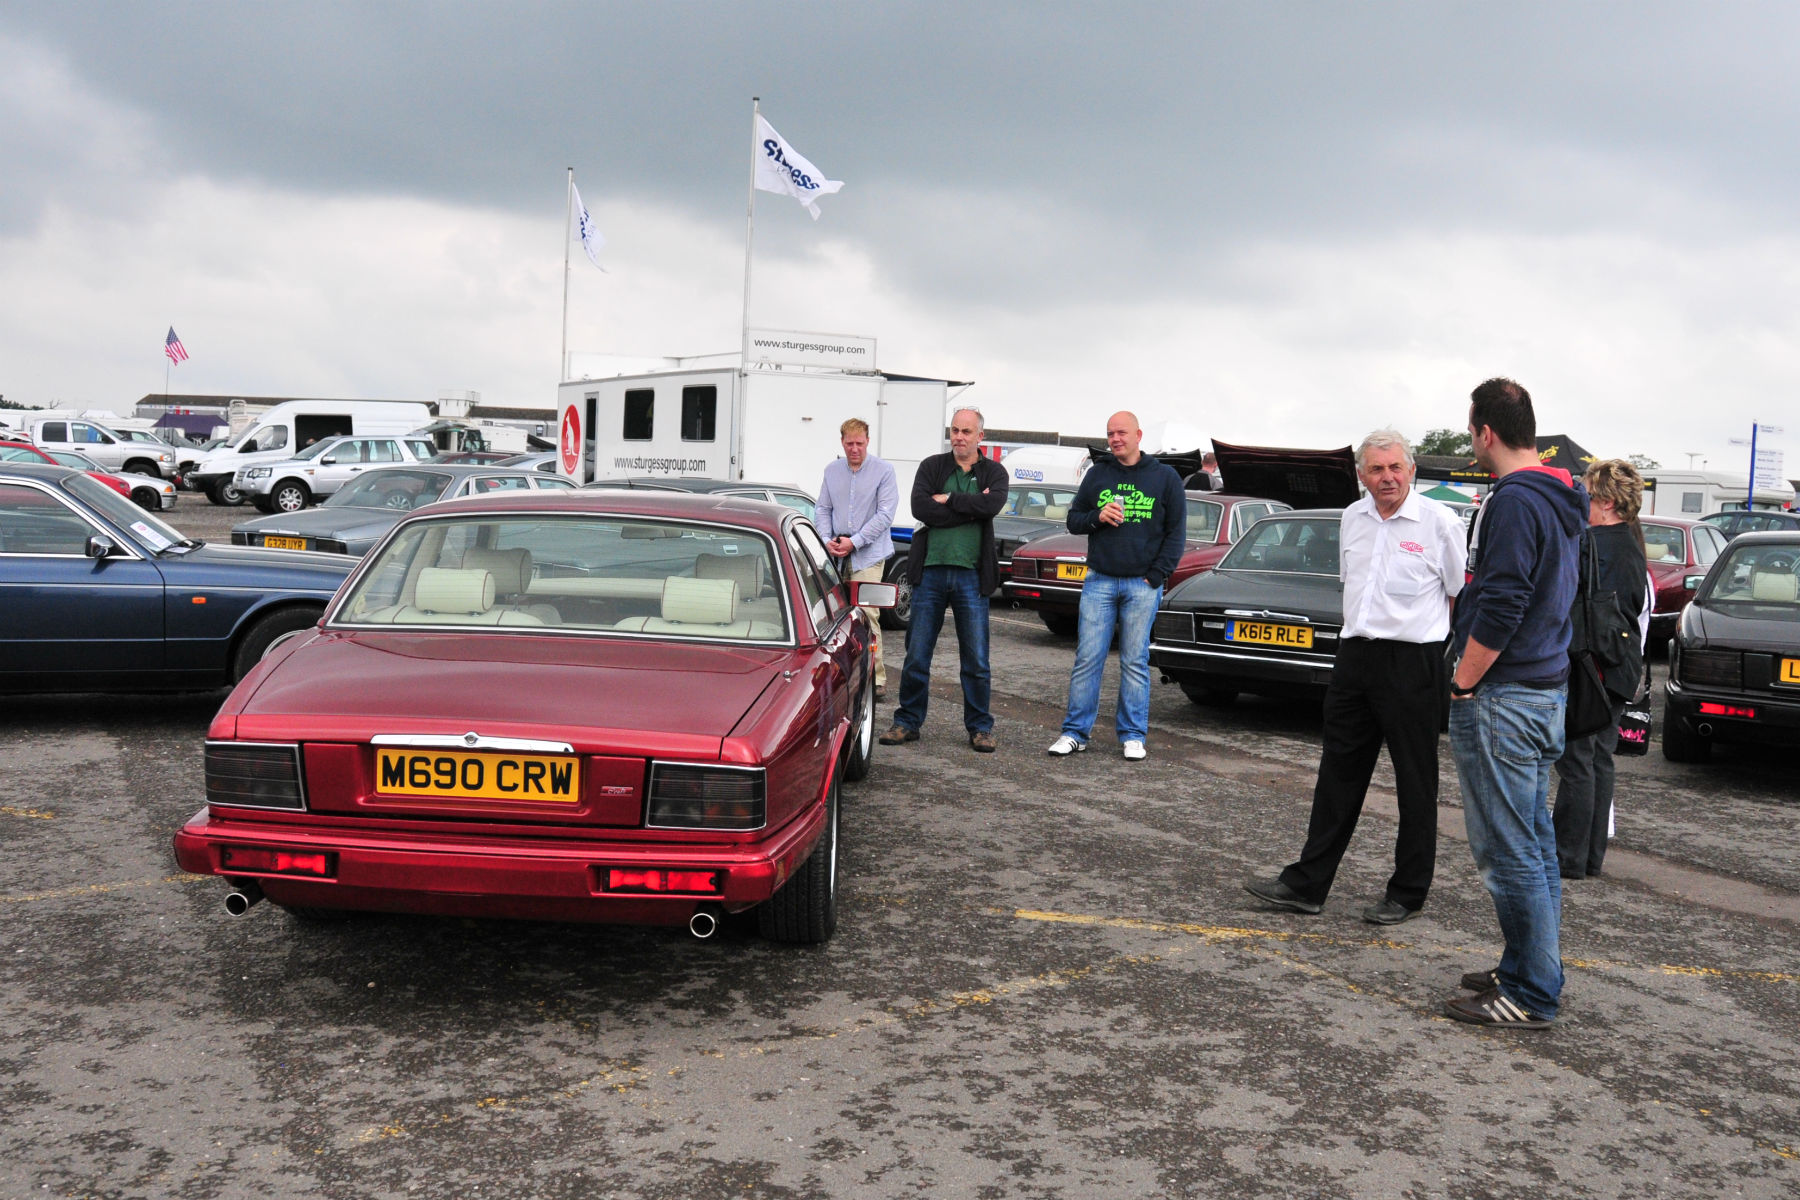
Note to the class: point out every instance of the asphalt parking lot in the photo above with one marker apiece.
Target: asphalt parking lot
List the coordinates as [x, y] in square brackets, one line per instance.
[1046, 981]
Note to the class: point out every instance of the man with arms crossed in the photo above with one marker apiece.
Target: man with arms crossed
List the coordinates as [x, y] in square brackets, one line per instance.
[1134, 513]
[954, 563]
[1506, 702]
[1401, 559]
[857, 503]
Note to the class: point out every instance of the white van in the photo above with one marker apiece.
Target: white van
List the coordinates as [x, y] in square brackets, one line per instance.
[288, 428]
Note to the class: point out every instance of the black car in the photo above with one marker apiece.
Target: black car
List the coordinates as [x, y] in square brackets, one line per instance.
[1734, 674]
[1265, 620]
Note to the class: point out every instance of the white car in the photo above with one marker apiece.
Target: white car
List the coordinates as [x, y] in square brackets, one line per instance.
[324, 467]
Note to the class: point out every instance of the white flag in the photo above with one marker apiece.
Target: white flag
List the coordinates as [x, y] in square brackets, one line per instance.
[591, 241]
[782, 169]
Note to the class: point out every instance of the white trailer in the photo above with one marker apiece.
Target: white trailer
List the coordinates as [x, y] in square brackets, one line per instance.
[1699, 493]
[761, 426]
[765, 425]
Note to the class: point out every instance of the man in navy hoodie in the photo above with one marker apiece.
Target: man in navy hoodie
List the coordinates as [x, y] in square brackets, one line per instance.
[1507, 695]
[1134, 512]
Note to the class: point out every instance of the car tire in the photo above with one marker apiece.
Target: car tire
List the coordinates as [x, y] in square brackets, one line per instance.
[289, 496]
[860, 755]
[262, 633]
[226, 494]
[1209, 694]
[804, 912]
[1680, 746]
[146, 498]
[1061, 624]
[140, 466]
[899, 616]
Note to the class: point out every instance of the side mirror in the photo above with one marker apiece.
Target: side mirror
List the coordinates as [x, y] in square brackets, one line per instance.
[99, 546]
[869, 594]
[330, 460]
[1692, 582]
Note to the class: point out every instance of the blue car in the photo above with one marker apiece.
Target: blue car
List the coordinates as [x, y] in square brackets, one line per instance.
[99, 595]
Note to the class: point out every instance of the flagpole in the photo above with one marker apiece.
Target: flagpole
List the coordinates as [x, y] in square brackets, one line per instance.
[562, 366]
[749, 243]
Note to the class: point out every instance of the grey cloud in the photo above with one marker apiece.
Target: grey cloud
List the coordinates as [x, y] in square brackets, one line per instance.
[1073, 147]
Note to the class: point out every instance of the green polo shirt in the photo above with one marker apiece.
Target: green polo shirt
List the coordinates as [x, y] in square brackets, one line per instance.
[958, 545]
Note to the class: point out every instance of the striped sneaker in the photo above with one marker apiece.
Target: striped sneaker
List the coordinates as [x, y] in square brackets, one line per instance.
[1479, 981]
[1493, 1008]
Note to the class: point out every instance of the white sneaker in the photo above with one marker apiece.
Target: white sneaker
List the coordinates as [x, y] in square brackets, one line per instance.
[1134, 750]
[1066, 745]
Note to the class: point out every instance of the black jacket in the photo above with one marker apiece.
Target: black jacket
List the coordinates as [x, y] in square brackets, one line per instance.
[962, 509]
[1149, 544]
[1619, 586]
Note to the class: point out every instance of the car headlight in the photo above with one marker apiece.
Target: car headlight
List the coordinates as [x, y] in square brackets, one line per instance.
[258, 472]
[696, 796]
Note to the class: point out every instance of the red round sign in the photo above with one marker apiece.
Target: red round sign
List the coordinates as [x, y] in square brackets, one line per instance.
[571, 440]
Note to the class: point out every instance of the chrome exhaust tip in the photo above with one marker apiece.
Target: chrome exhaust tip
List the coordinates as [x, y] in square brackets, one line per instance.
[704, 924]
[242, 898]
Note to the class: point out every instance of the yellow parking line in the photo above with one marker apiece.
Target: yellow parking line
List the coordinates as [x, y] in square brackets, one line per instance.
[35, 814]
[100, 889]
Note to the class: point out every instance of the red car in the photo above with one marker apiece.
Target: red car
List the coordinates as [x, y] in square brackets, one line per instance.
[1678, 550]
[619, 706]
[26, 452]
[1047, 573]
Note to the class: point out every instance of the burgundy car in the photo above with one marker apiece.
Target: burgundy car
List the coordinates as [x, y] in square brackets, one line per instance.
[1047, 573]
[605, 705]
[1678, 550]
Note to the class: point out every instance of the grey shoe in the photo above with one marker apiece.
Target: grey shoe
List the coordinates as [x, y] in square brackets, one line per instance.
[1388, 912]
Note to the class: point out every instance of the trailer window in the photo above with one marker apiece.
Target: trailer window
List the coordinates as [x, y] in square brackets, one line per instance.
[640, 414]
[698, 407]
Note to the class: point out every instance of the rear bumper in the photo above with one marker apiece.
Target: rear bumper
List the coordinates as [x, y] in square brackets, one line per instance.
[385, 871]
[1042, 595]
[1247, 669]
[1777, 717]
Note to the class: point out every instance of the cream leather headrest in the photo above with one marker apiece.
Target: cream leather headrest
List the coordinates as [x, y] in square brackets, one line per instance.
[699, 601]
[511, 569]
[443, 590]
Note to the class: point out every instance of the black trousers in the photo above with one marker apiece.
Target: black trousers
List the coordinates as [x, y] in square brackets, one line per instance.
[1388, 692]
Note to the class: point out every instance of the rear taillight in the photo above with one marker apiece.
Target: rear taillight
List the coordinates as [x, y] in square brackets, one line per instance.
[692, 796]
[254, 775]
[655, 881]
[1711, 668]
[1024, 568]
[265, 861]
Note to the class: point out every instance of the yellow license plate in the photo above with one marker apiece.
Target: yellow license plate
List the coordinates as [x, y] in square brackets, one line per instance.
[1790, 670]
[284, 543]
[456, 776]
[1071, 570]
[1262, 633]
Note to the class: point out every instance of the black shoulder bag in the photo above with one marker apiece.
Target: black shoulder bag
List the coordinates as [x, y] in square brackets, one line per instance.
[1589, 709]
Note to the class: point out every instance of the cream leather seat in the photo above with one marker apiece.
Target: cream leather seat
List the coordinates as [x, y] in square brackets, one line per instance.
[511, 570]
[1780, 587]
[700, 607]
[451, 596]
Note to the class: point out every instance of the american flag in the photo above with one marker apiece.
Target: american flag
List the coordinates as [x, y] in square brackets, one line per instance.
[173, 348]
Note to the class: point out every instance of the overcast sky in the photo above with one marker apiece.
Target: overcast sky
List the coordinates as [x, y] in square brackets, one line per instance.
[1284, 223]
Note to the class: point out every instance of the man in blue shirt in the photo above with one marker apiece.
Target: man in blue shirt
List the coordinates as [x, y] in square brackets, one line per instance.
[857, 502]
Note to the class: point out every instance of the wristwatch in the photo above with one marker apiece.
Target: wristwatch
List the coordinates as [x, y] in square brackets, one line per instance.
[1468, 691]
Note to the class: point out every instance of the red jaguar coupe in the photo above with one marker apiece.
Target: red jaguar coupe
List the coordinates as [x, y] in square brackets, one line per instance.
[614, 706]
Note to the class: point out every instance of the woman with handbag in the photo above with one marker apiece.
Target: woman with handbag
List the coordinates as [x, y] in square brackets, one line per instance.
[1616, 592]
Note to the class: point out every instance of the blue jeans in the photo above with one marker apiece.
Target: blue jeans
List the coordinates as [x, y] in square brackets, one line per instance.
[1505, 738]
[1106, 601]
[959, 589]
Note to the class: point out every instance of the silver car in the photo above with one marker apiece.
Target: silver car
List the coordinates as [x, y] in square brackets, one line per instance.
[324, 467]
[359, 515]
